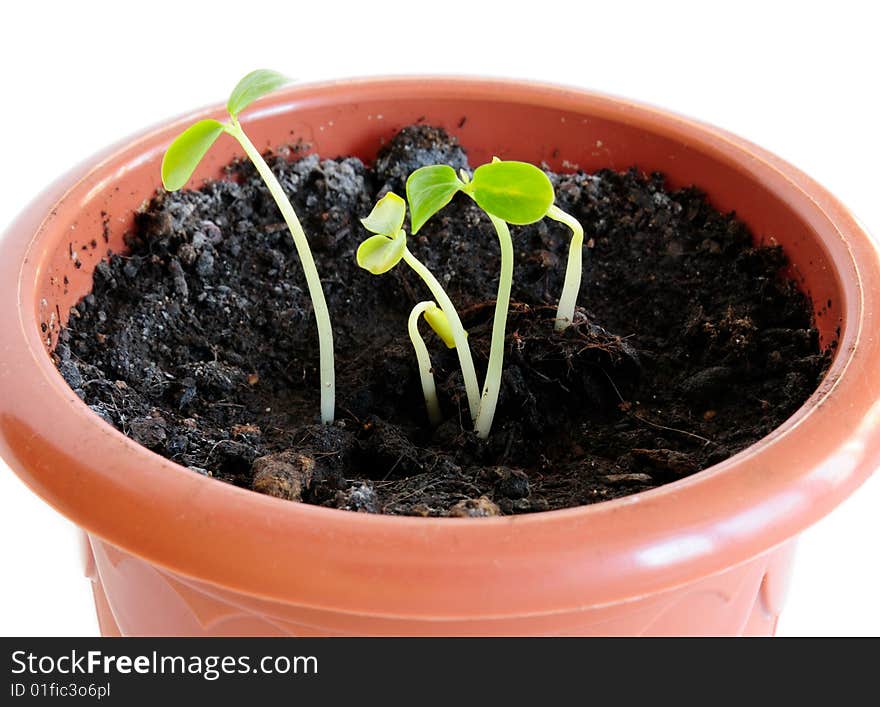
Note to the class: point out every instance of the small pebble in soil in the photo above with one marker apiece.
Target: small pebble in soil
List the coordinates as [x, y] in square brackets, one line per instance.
[283, 475]
[480, 507]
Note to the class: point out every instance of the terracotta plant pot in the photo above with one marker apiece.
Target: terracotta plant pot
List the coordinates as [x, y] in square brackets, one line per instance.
[172, 552]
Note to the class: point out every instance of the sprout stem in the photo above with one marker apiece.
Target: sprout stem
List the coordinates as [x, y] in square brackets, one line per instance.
[322, 316]
[471, 384]
[572, 285]
[492, 387]
[425, 372]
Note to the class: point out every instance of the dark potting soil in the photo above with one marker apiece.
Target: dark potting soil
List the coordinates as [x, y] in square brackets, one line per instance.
[200, 342]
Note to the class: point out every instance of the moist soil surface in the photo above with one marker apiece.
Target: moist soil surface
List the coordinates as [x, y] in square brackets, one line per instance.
[200, 342]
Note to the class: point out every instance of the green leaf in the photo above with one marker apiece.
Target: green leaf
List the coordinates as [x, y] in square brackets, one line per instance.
[516, 192]
[428, 190]
[253, 86]
[379, 254]
[184, 154]
[387, 215]
[437, 320]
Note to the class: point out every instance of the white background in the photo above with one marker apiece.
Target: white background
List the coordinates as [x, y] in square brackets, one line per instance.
[797, 78]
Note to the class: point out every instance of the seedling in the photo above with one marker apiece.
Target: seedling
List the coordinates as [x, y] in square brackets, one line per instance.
[572, 284]
[184, 155]
[440, 324]
[381, 252]
[511, 192]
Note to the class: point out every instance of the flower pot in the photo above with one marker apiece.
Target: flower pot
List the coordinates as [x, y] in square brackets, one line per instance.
[709, 554]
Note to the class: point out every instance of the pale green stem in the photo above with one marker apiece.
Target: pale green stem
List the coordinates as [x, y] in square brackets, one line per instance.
[471, 384]
[316, 292]
[424, 359]
[492, 386]
[572, 285]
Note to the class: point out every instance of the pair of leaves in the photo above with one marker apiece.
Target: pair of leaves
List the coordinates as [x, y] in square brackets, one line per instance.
[516, 192]
[188, 149]
[381, 252]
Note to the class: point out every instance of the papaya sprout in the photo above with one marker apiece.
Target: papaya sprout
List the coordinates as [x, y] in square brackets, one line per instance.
[572, 285]
[440, 324]
[184, 155]
[381, 252]
[509, 192]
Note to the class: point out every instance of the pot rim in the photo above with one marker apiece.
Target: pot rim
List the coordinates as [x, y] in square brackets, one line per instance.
[552, 561]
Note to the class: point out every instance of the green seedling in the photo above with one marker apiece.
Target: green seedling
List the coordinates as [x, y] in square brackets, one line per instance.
[381, 252]
[508, 192]
[440, 324]
[184, 155]
[572, 285]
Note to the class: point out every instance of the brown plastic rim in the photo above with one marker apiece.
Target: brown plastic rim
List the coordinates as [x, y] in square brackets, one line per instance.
[443, 568]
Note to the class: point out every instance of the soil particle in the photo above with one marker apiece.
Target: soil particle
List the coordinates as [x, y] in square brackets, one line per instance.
[705, 385]
[676, 464]
[413, 147]
[283, 475]
[360, 496]
[480, 507]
